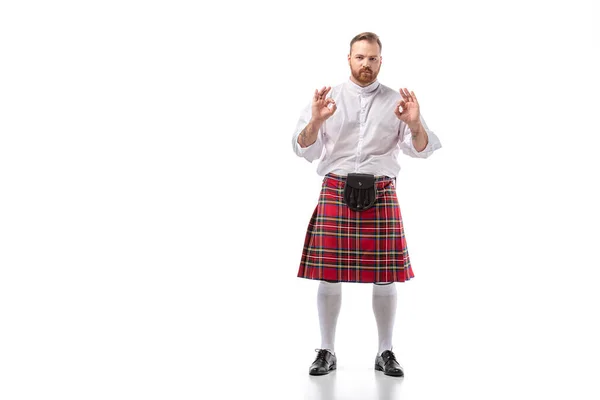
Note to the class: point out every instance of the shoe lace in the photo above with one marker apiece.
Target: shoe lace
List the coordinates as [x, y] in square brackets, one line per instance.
[322, 353]
[391, 357]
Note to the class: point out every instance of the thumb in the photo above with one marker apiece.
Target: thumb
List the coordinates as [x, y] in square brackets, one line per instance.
[333, 106]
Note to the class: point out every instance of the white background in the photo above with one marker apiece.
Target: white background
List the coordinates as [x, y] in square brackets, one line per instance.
[152, 211]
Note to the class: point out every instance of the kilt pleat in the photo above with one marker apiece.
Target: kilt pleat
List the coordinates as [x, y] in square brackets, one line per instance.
[342, 245]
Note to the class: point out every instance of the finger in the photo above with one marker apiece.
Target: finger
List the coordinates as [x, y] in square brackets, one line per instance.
[397, 112]
[319, 94]
[332, 107]
[406, 94]
[327, 91]
[398, 109]
[322, 91]
[403, 94]
[414, 96]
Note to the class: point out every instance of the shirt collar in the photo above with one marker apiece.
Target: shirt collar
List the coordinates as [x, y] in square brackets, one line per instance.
[363, 90]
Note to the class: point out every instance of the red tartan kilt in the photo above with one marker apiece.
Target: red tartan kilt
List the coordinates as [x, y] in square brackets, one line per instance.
[342, 245]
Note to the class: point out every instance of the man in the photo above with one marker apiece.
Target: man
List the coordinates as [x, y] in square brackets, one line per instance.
[357, 130]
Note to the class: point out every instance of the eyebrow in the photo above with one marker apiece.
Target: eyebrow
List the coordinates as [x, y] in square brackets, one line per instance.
[362, 55]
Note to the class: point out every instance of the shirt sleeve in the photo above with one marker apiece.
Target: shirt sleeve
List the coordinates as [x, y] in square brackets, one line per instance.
[406, 143]
[315, 150]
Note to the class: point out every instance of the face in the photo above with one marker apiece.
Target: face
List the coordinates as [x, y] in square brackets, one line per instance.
[364, 60]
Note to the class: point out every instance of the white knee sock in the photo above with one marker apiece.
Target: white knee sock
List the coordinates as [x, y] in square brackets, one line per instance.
[384, 307]
[329, 302]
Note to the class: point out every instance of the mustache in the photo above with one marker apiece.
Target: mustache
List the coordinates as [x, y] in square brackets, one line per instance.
[366, 70]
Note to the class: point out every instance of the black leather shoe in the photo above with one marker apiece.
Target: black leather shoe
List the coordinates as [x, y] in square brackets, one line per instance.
[387, 363]
[324, 363]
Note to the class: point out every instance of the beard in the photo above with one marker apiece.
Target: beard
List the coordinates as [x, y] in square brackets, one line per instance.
[365, 76]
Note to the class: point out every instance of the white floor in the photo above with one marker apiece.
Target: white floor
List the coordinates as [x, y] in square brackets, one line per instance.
[163, 337]
[507, 353]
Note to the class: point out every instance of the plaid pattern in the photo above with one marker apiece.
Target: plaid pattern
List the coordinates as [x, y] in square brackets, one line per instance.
[348, 246]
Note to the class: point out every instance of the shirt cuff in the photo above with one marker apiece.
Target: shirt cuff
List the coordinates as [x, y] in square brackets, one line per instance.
[433, 143]
[301, 151]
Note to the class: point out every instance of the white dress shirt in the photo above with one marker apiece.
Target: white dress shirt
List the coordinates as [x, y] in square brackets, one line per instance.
[363, 135]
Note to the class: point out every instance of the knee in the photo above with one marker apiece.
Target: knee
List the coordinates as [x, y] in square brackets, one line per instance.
[330, 288]
[384, 289]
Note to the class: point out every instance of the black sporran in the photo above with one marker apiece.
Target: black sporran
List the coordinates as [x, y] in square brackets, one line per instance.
[360, 191]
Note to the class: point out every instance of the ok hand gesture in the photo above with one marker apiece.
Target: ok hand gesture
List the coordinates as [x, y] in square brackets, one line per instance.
[410, 108]
[321, 109]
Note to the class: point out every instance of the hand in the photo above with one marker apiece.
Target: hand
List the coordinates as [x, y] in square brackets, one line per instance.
[321, 109]
[410, 108]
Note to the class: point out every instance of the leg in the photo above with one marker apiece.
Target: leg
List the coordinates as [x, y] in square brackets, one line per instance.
[329, 301]
[384, 308]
